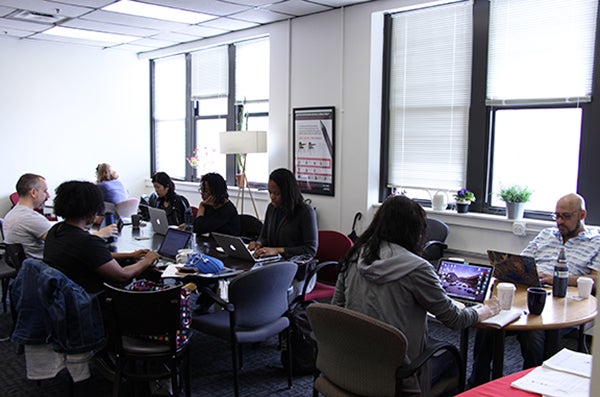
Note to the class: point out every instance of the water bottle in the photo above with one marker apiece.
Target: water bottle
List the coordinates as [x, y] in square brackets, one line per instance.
[109, 219]
[561, 276]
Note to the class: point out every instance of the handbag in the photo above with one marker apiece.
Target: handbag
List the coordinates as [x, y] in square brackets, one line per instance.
[205, 263]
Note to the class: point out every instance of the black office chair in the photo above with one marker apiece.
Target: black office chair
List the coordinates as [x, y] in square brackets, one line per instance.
[136, 315]
[255, 311]
[7, 271]
[437, 232]
[250, 227]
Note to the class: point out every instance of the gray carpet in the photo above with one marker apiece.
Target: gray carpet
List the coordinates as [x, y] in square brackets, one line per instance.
[262, 374]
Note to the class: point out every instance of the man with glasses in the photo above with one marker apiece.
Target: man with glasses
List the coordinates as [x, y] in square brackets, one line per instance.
[582, 248]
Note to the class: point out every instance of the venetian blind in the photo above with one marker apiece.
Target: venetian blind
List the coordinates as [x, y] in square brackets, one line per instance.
[429, 96]
[541, 51]
[210, 73]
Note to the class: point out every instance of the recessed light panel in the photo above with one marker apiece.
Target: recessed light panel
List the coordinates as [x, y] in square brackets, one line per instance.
[157, 12]
[89, 35]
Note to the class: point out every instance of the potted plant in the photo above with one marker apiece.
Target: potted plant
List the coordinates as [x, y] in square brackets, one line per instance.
[515, 197]
[463, 198]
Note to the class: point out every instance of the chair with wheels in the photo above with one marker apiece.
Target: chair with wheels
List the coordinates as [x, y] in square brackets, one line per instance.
[358, 355]
[437, 232]
[255, 311]
[250, 227]
[7, 270]
[333, 245]
[144, 325]
[127, 207]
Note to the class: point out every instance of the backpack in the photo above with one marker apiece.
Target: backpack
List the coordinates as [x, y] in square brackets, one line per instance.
[304, 347]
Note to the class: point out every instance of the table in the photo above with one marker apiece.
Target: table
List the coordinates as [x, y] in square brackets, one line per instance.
[500, 387]
[558, 313]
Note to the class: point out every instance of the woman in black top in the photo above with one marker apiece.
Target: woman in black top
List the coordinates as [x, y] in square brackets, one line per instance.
[215, 212]
[290, 226]
[165, 198]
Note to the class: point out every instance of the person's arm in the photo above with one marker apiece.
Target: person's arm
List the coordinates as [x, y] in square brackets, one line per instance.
[112, 271]
[490, 308]
[107, 231]
[137, 254]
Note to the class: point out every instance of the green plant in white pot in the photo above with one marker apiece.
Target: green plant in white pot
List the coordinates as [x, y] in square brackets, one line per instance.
[515, 197]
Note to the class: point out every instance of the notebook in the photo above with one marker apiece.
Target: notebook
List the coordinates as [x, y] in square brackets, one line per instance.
[467, 283]
[514, 268]
[174, 240]
[158, 217]
[235, 247]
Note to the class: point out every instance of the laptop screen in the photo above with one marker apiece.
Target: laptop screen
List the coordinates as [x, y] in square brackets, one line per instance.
[465, 281]
[174, 240]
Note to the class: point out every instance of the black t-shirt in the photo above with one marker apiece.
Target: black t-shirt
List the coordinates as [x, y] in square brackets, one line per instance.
[77, 254]
[224, 219]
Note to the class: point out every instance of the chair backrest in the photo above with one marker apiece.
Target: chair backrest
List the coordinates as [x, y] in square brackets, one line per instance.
[260, 296]
[15, 255]
[127, 207]
[333, 245]
[136, 313]
[437, 230]
[356, 352]
[250, 227]
[14, 198]
[194, 211]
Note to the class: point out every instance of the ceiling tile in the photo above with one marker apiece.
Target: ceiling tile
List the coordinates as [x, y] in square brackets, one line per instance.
[202, 31]
[175, 37]
[13, 32]
[29, 26]
[132, 20]
[261, 16]
[297, 7]
[148, 42]
[110, 28]
[229, 24]
[47, 7]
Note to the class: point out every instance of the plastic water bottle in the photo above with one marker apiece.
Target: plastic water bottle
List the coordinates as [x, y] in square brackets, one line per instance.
[561, 276]
[109, 219]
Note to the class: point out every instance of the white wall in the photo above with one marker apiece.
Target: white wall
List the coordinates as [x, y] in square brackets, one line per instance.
[64, 109]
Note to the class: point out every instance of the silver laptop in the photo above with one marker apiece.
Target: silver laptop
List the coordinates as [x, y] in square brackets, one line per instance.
[467, 283]
[158, 217]
[235, 247]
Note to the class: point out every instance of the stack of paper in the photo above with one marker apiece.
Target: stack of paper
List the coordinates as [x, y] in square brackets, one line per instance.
[503, 318]
[567, 373]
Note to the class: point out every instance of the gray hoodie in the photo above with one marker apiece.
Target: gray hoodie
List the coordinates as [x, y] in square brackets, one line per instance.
[399, 289]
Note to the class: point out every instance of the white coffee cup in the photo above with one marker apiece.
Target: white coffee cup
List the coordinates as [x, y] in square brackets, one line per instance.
[506, 295]
[183, 254]
[584, 286]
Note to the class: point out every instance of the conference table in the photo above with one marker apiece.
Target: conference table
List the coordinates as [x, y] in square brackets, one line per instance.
[558, 313]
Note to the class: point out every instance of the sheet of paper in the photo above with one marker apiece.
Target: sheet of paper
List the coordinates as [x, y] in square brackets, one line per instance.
[569, 361]
[553, 383]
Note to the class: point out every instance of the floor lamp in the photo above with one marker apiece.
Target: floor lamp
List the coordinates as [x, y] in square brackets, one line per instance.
[241, 143]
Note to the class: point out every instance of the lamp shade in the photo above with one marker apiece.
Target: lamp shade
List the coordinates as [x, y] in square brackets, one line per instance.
[235, 142]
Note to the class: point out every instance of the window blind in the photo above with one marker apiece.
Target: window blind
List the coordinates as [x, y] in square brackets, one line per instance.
[209, 73]
[430, 83]
[540, 51]
[252, 70]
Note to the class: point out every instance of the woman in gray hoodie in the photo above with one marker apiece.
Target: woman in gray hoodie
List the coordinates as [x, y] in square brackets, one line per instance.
[384, 277]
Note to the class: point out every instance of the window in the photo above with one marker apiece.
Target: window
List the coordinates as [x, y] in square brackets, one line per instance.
[221, 80]
[530, 114]
[429, 97]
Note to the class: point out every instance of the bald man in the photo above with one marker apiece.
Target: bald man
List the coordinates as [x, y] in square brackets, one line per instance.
[582, 248]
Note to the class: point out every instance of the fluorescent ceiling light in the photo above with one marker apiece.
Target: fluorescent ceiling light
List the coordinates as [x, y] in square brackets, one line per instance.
[89, 35]
[157, 12]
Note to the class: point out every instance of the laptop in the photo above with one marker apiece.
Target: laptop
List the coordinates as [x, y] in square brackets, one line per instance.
[467, 283]
[158, 217]
[235, 247]
[174, 240]
[514, 268]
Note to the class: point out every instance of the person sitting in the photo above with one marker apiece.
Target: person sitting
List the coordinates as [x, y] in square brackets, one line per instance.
[165, 198]
[22, 224]
[290, 227]
[582, 249]
[215, 212]
[384, 276]
[81, 256]
[111, 187]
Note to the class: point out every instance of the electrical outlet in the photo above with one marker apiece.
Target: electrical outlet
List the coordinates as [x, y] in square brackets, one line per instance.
[519, 228]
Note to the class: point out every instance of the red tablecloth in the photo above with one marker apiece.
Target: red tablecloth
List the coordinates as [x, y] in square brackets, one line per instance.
[500, 387]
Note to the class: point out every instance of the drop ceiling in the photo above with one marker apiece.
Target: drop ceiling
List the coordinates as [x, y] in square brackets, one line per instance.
[29, 19]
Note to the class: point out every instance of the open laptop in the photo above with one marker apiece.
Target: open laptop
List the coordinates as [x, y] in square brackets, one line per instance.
[174, 240]
[158, 217]
[467, 283]
[235, 247]
[513, 268]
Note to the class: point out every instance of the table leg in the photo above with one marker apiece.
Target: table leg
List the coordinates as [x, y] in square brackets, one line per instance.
[498, 364]
[464, 347]
[551, 343]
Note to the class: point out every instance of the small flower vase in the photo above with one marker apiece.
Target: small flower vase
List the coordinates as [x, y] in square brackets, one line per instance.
[241, 182]
[462, 207]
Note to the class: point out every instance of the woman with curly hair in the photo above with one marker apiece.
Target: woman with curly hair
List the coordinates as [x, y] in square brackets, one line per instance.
[215, 212]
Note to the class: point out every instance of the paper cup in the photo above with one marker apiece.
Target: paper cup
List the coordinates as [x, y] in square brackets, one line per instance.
[506, 295]
[584, 286]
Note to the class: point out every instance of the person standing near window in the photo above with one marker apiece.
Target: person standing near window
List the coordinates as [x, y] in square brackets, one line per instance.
[165, 198]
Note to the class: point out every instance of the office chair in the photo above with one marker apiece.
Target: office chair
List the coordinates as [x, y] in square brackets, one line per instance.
[127, 207]
[333, 245]
[136, 314]
[437, 232]
[358, 355]
[255, 311]
[6, 270]
[250, 227]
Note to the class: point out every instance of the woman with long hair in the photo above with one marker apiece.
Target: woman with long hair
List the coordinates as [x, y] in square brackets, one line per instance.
[290, 226]
[165, 198]
[384, 276]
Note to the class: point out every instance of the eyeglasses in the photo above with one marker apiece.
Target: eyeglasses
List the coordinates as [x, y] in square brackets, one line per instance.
[565, 215]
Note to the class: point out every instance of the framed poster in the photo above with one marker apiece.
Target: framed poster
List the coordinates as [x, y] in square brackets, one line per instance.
[314, 150]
